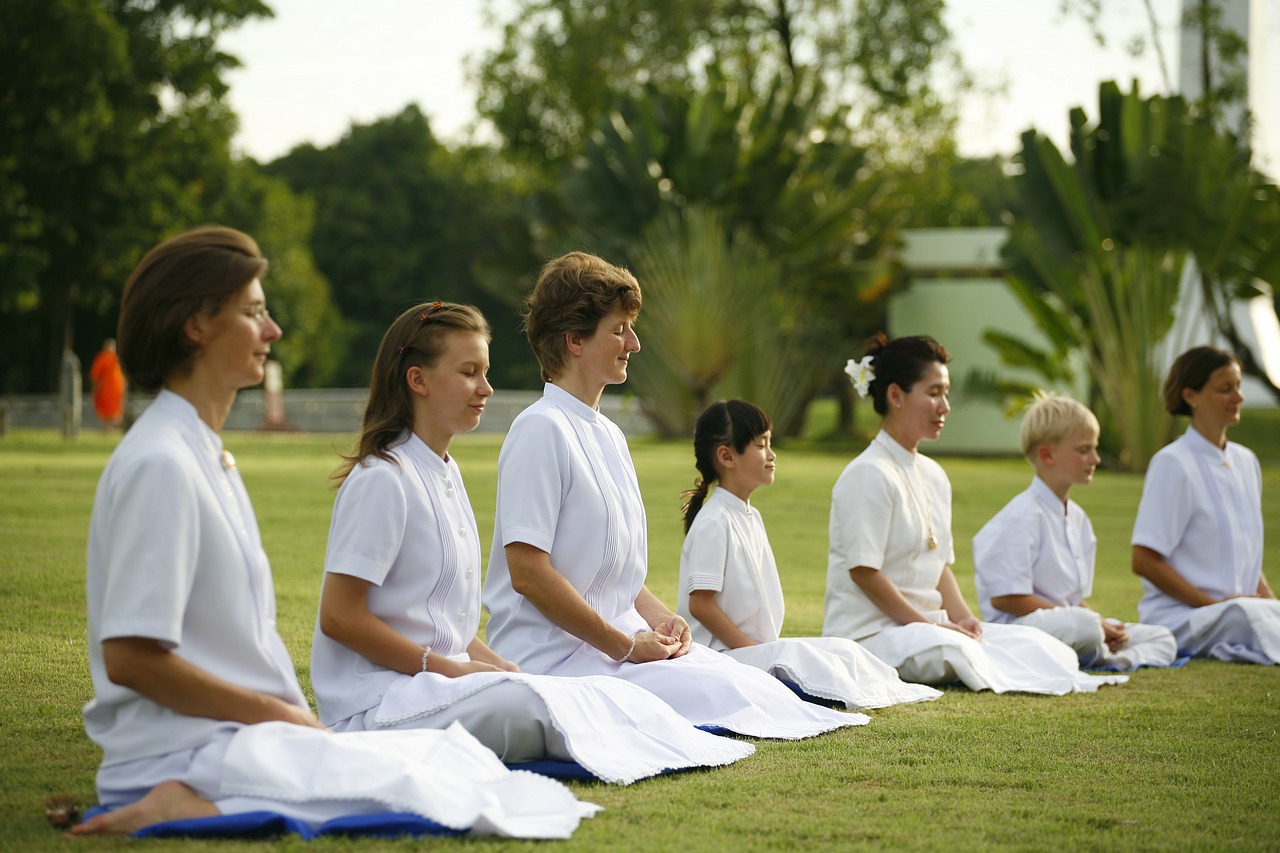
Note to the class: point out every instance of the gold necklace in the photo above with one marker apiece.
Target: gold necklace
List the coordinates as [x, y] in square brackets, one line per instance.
[922, 510]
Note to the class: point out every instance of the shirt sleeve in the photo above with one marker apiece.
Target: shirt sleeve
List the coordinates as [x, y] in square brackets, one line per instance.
[533, 477]
[153, 550]
[861, 509]
[1165, 509]
[706, 553]
[369, 518]
[1006, 549]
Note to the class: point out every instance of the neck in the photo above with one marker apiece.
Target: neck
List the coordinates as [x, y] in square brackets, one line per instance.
[1214, 434]
[212, 405]
[1059, 489]
[738, 490]
[895, 432]
[587, 392]
[437, 441]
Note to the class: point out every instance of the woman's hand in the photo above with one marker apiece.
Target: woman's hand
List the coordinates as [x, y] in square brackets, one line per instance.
[970, 626]
[653, 645]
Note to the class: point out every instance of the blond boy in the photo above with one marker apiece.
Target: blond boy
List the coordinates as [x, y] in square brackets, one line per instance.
[1034, 560]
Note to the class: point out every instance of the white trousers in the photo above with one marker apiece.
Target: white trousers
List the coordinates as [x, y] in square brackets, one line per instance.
[1246, 630]
[1081, 629]
[1008, 658]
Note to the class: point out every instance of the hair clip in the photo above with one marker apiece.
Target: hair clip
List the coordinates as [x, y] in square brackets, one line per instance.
[861, 374]
[425, 316]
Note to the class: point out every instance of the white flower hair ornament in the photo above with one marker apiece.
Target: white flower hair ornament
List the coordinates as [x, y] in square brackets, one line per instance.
[861, 374]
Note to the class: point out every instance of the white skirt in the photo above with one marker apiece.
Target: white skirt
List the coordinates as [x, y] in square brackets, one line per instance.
[1008, 659]
[615, 730]
[1245, 630]
[711, 689]
[834, 668]
[315, 776]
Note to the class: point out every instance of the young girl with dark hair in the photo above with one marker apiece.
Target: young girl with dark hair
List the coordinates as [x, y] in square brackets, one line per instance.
[729, 587]
[395, 642]
[889, 579]
[1197, 540]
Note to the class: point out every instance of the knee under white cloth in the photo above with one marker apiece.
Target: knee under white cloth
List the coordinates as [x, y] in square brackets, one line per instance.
[1239, 629]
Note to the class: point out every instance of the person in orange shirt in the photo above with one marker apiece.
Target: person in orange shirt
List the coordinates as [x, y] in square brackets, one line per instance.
[108, 386]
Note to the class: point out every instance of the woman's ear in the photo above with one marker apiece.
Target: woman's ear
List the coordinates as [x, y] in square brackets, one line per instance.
[416, 381]
[893, 395]
[573, 343]
[1189, 397]
[193, 328]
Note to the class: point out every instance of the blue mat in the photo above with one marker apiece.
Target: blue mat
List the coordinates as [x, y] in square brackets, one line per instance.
[273, 825]
[381, 825]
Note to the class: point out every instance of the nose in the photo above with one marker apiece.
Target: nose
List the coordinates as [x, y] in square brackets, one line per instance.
[485, 389]
[945, 405]
[272, 331]
[770, 455]
[633, 341]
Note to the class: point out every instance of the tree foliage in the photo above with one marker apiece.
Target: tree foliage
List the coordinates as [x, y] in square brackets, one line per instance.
[400, 219]
[1097, 248]
[113, 133]
[777, 179]
[561, 62]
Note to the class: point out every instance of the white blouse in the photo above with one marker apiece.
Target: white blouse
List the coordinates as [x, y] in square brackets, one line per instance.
[727, 550]
[566, 485]
[175, 556]
[878, 520]
[407, 528]
[1201, 510]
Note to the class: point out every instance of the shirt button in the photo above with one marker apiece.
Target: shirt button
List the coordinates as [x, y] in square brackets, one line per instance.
[462, 530]
[462, 616]
[469, 572]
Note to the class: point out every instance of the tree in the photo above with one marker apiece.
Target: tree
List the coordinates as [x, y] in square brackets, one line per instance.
[113, 133]
[400, 219]
[1097, 247]
[731, 178]
[312, 348]
[562, 62]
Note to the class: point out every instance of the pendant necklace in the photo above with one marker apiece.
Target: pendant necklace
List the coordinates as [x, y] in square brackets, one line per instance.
[921, 509]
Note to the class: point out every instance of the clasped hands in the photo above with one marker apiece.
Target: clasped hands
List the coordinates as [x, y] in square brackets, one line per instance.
[668, 638]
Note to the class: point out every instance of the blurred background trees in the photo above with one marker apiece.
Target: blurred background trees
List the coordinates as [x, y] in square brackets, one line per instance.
[753, 161]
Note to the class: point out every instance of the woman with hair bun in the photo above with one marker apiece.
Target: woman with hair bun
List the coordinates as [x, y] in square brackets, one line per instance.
[1197, 540]
[729, 587]
[889, 579]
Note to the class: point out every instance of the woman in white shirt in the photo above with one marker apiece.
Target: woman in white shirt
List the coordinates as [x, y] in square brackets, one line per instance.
[889, 579]
[196, 705]
[566, 582]
[395, 642]
[1197, 540]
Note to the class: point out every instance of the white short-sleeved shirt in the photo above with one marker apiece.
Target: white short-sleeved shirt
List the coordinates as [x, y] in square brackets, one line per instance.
[877, 522]
[727, 550]
[1201, 510]
[566, 485]
[175, 556]
[1035, 546]
[407, 528]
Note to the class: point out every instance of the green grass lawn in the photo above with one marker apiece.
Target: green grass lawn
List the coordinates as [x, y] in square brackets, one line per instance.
[1176, 759]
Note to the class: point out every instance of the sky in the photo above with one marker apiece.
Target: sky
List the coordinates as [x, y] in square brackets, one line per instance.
[316, 68]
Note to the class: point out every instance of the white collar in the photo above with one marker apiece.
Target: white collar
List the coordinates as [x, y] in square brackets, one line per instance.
[569, 403]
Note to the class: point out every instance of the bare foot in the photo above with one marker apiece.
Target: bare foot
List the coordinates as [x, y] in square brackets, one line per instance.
[167, 801]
